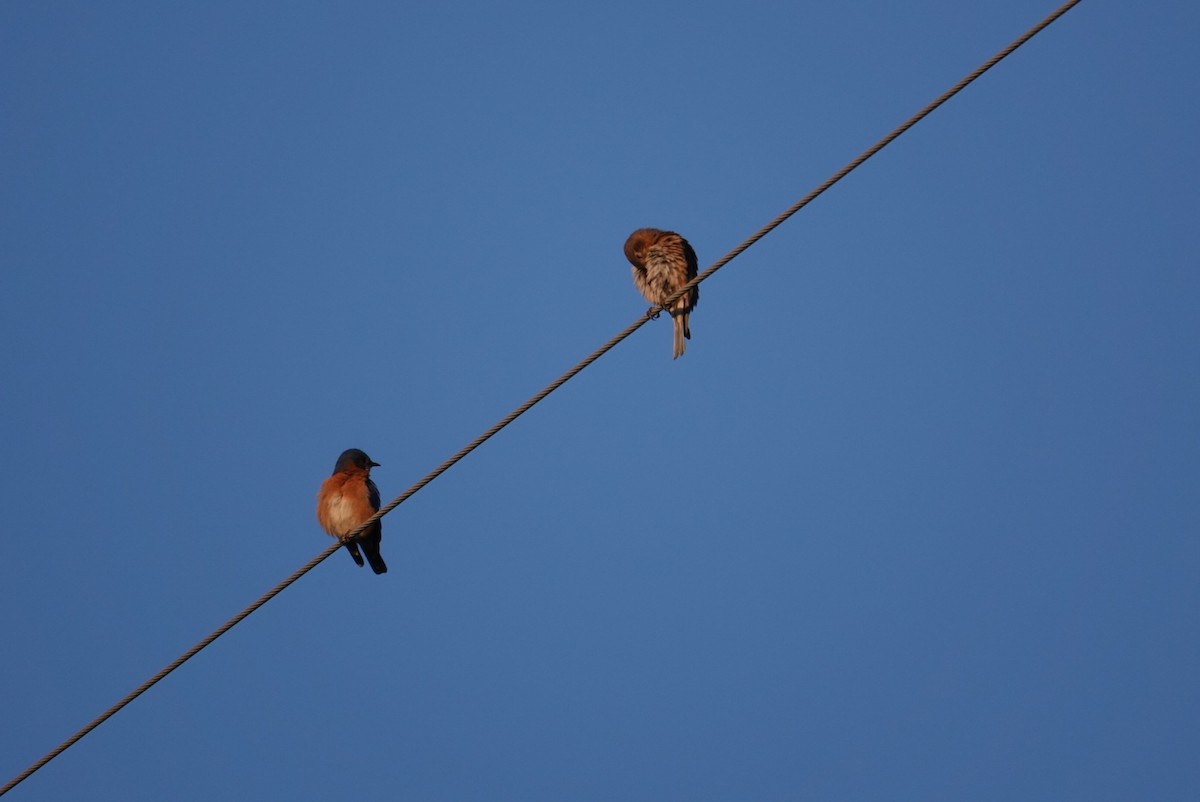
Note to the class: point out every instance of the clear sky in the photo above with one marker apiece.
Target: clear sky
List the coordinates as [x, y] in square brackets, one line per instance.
[915, 517]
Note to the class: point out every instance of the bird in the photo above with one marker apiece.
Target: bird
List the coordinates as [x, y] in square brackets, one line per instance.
[346, 499]
[662, 263]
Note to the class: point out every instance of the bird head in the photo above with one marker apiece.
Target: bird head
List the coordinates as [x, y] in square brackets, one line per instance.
[637, 244]
[354, 458]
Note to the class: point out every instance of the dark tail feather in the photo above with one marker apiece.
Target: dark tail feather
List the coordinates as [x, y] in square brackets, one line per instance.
[370, 547]
[352, 547]
[375, 559]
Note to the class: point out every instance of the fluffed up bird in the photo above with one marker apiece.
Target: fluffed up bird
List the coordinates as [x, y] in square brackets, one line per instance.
[346, 499]
[663, 262]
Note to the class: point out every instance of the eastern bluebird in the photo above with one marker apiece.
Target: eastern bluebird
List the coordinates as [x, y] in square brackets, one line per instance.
[663, 262]
[347, 498]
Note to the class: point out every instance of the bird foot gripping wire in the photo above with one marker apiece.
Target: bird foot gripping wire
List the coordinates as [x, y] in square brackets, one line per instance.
[653, 312]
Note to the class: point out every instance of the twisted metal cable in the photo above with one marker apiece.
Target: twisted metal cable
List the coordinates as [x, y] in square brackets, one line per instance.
[554, 385]
[183, 658]
[878, 146]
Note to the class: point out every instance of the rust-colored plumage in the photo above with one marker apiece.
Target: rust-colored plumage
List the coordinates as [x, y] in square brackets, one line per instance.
[346, 499]
[662, 263]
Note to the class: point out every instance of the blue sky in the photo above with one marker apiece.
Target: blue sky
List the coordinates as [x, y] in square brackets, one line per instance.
[915, 517]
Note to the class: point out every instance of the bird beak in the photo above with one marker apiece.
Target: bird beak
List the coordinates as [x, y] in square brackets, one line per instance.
[375, 465]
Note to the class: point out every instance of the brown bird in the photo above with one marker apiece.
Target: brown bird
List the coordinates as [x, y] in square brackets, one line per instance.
[346, 499]
[663, 262]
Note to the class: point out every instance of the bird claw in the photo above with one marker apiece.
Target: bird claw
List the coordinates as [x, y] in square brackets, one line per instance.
[653, 312]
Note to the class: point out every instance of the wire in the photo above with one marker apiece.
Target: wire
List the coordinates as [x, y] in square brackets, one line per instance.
[554, 385]
[183, 658]
[878, 146]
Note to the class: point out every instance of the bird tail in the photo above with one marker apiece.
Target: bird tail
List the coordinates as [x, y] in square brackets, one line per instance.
[370, 547]
[375, 558]
[682, 332]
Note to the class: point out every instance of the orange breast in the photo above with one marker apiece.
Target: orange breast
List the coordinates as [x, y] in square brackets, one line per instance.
[343, 503]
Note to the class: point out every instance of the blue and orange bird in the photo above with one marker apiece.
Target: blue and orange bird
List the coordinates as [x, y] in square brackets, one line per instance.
[662, 263]
[346, 499]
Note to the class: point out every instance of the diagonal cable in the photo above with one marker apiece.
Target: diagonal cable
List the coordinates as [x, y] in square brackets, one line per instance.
[554, 385]
[878, 146]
